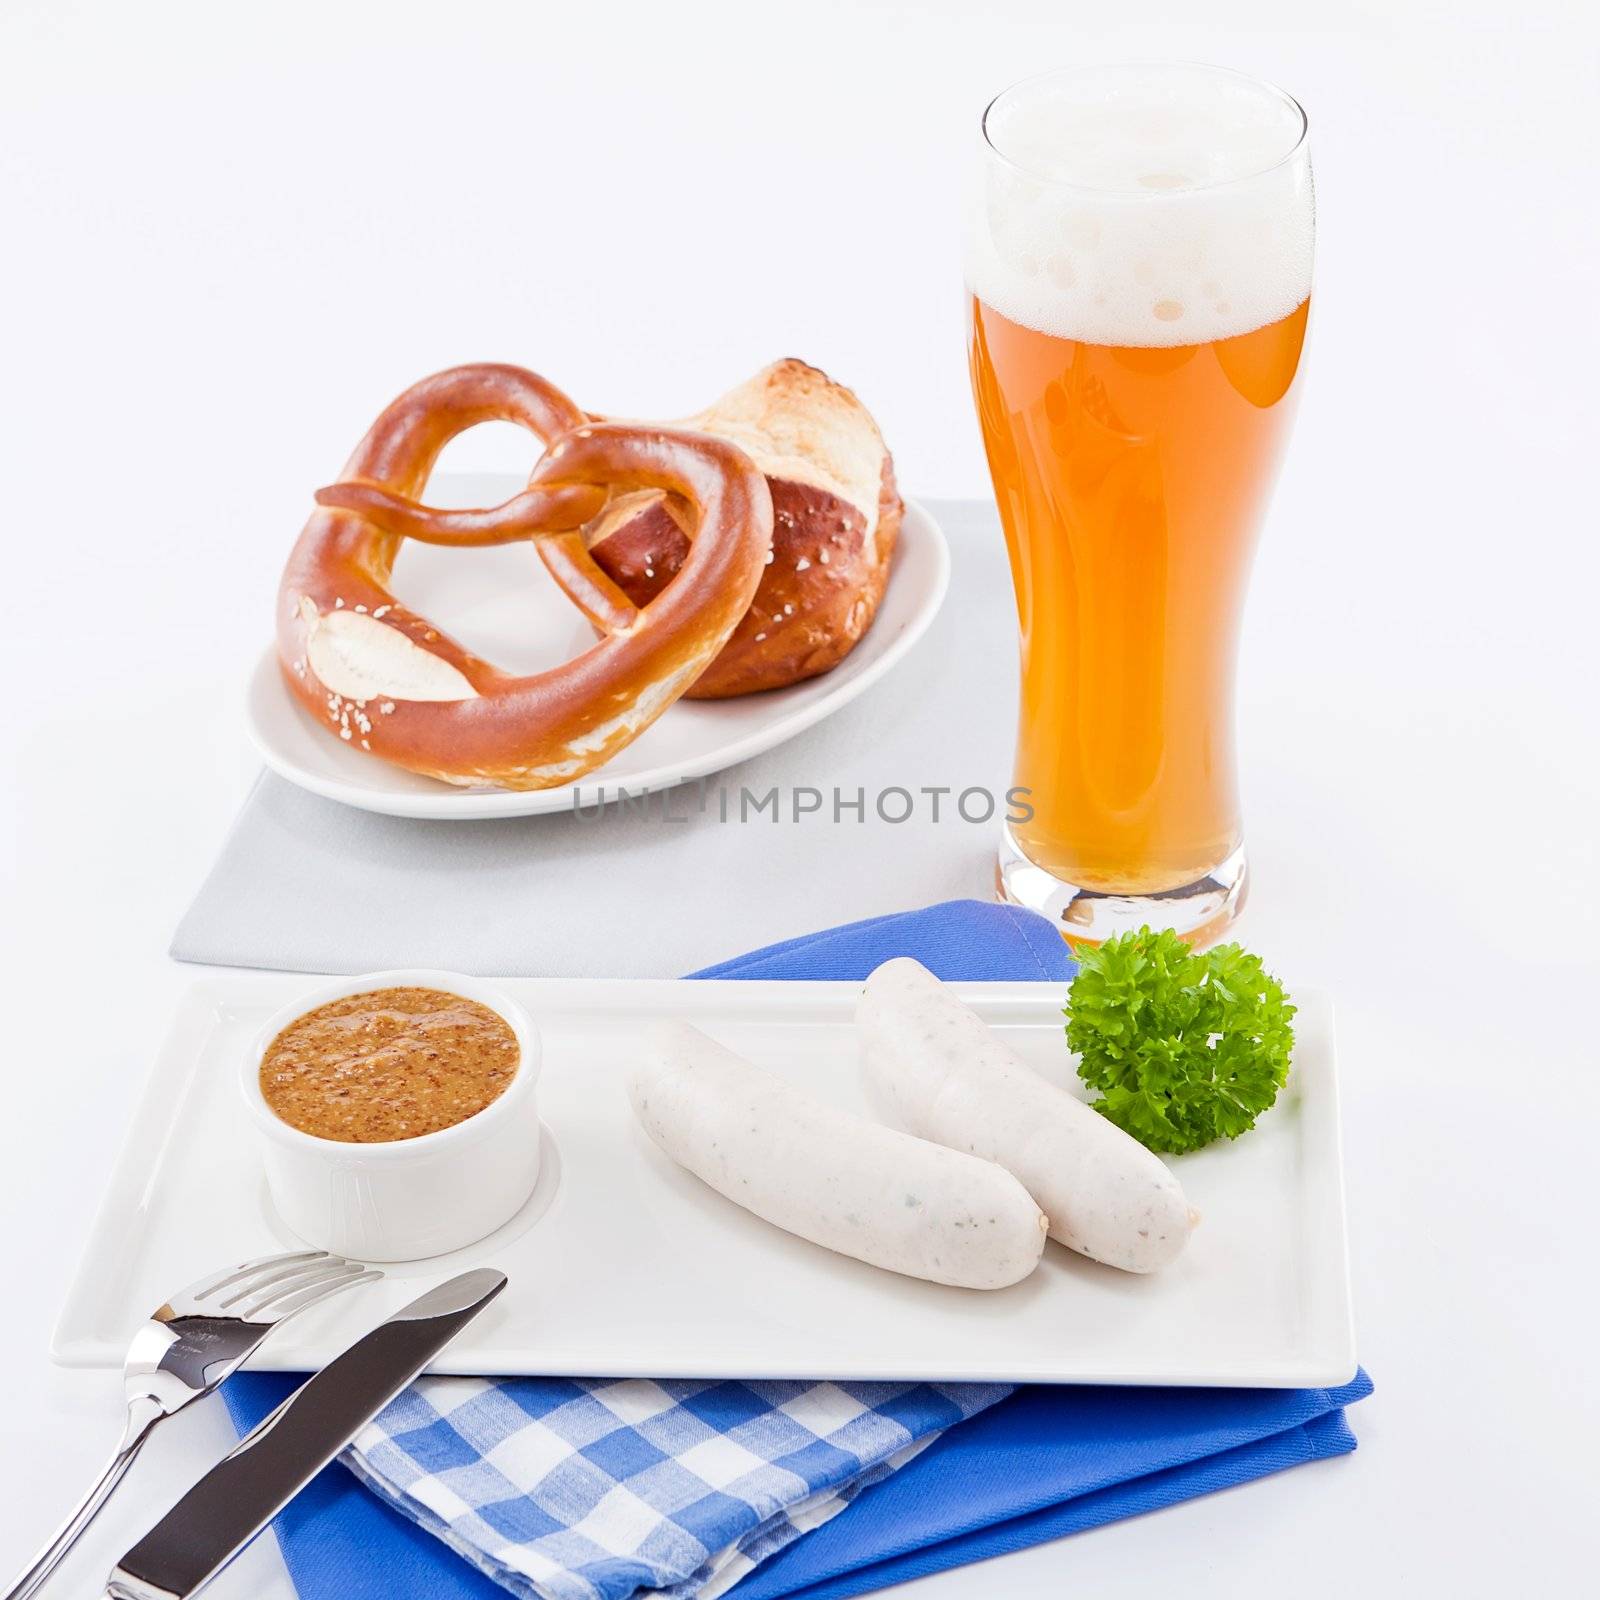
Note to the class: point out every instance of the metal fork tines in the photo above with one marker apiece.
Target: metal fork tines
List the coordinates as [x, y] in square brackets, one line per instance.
[191, 1343]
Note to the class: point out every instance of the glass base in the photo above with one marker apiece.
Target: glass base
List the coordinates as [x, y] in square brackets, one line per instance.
[1201, 912]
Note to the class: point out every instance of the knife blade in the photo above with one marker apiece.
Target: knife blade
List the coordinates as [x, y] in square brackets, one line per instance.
[233, 1502]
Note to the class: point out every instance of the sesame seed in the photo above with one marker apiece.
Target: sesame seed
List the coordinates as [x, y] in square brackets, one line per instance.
[802, 564]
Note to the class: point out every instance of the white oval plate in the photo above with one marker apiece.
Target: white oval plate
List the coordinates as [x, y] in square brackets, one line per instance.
[500, 603]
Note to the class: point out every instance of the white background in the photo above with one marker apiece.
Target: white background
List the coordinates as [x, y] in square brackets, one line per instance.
[231, 234]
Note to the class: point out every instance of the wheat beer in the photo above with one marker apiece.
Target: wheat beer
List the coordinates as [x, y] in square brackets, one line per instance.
[1139, 273]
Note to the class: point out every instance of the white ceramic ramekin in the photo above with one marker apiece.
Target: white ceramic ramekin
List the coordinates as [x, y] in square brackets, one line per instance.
[413, 1197]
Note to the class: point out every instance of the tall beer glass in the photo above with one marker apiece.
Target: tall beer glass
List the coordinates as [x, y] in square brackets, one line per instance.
[1138, 256]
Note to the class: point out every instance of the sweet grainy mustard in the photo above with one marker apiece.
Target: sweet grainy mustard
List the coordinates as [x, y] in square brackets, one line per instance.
[389, 1064]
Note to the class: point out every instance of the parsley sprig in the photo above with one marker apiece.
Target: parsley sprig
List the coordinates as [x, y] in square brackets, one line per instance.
[1184, 1047]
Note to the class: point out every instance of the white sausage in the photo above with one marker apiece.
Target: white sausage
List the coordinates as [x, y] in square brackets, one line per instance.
[948, 1078]
[838, 1180]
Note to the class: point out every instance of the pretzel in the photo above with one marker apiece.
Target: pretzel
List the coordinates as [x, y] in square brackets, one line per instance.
[836, 515]
[386, 680]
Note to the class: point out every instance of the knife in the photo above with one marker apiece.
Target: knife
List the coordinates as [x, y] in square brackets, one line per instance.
[228, 1507]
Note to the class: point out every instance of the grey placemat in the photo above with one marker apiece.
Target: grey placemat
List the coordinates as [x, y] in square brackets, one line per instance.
[306, 884]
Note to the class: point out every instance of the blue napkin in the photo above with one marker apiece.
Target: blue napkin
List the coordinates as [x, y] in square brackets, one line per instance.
[1042, 1463]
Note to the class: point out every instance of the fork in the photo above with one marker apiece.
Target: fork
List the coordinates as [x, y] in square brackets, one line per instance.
[199, 1337]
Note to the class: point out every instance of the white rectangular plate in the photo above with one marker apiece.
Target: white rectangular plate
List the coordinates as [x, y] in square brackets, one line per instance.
[624, 1265]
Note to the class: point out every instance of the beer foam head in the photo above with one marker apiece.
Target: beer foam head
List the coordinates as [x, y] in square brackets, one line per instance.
[1156, 205]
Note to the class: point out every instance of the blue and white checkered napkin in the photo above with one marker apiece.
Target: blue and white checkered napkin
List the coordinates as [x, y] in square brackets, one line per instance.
[593, 1490]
